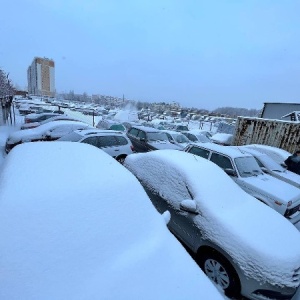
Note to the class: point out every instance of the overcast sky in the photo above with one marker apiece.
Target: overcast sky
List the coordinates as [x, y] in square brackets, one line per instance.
[205, 54]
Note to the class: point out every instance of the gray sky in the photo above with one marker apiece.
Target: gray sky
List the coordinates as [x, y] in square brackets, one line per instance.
[205, 54]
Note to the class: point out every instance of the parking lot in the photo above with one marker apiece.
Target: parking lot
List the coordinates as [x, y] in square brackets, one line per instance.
[5, 130]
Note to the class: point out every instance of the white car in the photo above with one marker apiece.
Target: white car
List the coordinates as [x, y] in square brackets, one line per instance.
[198, 136]
[240, 243]
[245, 171]
[114, 143]
[75, 224]
[279, 155]
[271, 167]
[47, 132]
[177, 138]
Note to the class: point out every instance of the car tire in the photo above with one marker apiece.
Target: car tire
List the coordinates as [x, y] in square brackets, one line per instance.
[121, 159]
[221, 272]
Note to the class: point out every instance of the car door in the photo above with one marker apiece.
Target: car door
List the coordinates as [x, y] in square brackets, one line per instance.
[225, 163]
[168, 197]
[132, 135]
[199, 151]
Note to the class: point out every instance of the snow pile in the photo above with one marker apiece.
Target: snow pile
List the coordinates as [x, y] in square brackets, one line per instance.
[263, 243]
[75, 224]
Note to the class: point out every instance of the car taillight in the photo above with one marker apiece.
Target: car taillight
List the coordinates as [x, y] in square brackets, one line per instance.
[132, 148]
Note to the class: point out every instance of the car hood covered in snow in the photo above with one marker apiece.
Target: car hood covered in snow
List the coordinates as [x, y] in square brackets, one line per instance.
[263, 243]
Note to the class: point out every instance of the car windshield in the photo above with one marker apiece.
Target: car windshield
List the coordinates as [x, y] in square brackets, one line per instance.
[270, 164]
[71, 137]
[118, 127]
[247, 166]
[157, 136]
[180, 138]
[202, 138]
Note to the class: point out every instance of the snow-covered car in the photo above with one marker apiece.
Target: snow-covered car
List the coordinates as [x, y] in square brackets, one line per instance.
[197, 136]
[146, 139]
[32, 118]
[271, 167]
[51, 119]
[240, 243]
[224, 139]
[177, 138]
[48, 132]
[278, 154]
[110, 125]
[86, 230]
[114, 143]
[246, 172]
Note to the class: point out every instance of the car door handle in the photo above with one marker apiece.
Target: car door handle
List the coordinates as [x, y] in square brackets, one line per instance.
[117, 149]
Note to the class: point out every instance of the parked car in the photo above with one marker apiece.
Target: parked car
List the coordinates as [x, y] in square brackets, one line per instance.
[180, 127]
[245, 171]
[51, 119]
[177, 138]
[32, 118]
[146, 139]
[224, 139]
[114, 143]
[110, 125]
[48, 132]
[241, 244]
[197, 136]
[271, 167]
[77, 225]
[279, 155]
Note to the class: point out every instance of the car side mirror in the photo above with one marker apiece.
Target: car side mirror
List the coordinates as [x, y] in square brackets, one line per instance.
[230, 172]
[142, 139]
[189, 206]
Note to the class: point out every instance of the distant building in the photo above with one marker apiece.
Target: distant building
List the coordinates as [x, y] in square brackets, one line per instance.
[279, 110]
[41, 77]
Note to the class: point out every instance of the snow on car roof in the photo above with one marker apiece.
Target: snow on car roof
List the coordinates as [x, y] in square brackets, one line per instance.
[232, 152]
[222, 137]
[278, 154]
[247, 229]
[75, 224]
[28, 133]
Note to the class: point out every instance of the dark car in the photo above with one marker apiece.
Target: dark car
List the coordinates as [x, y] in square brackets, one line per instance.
[146, 139]
[31, 118]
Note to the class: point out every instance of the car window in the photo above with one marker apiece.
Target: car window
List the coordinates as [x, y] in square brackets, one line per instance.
[157, 136]
[121, 140]
[107, 141]
[221, 160]
[247, 166]
[142, 134]
[191, 137]
[118, 127]
[200, 152]
[133, 132]
[203, 138]
[91, 140]
[180, 138]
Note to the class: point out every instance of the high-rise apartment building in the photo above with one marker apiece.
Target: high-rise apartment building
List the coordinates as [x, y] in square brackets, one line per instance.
[41, 77]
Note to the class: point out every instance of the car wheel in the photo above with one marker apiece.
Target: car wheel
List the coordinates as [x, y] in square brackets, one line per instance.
[221, 272]
[121, 159]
